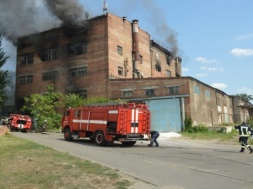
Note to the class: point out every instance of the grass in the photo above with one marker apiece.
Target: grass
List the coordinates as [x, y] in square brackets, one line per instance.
[221, 137]
[27, 165]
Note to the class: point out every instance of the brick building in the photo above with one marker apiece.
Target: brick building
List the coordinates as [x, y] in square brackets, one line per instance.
[82, 61]
[112, 57]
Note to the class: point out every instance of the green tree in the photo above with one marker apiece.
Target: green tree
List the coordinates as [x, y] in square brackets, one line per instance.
[3, 75]
[73, 100]
[245, 97]
[45, 107]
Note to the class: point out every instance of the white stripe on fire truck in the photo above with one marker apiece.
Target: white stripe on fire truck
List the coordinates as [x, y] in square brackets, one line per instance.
[90, 121]
[113, 112]
[135, 119]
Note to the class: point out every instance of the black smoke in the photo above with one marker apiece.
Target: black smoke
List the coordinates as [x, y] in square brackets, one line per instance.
[24, 17]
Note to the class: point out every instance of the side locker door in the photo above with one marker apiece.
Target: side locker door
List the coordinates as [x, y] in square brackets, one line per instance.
[85, 120]
[76, 120]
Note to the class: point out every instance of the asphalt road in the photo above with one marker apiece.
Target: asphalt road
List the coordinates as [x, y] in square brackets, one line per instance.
[176, 164]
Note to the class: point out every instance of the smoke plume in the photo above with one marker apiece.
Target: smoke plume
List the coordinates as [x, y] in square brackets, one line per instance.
[24, 17]
[163, 33]
[69, 12]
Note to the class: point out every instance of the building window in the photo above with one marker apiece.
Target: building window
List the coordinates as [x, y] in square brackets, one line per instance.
[120, 70]
[82, 93]
[168, 59]
[75, 72]
[150, 92]
[127, 94]
[168, 73]
[25, 79]
[50, 76]
[207, 94]
[51, 37]
[25, 44]
[50, 54]
[141, 59]
[120, 50]
[173, 90]
[196, 90]
[76, 48]
[158, 67]
[25, 59]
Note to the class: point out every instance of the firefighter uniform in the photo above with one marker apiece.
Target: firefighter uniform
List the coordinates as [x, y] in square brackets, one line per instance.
[244, 132]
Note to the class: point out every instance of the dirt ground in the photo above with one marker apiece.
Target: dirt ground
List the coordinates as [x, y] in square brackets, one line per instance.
[3, 130]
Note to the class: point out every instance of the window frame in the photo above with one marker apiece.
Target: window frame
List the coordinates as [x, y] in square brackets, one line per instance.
[149, 92]
[78, 71]
[50, 76]
[120, 50]
[25, 79]
[25, 59]
[51, 54]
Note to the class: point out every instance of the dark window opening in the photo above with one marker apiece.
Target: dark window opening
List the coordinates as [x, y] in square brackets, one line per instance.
[150, 92]
[50, 76]
[120, 70]
[82, 93]
[76, 49]
[25, 59]
[174, 90]
[158, 67]
[23, 45]
[120, 50]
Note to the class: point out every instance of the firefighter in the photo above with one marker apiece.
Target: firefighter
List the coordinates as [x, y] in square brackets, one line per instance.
[154, 135]
[44, 126]
[244, 132]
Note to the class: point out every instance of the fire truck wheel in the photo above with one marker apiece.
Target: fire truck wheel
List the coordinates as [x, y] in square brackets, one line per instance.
[67, 134]
[129, 143]
[99, 138]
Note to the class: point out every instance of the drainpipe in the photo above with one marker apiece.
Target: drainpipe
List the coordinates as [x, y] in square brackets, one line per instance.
[135, 48]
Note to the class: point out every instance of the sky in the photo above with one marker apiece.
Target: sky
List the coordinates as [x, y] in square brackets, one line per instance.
[213, 38]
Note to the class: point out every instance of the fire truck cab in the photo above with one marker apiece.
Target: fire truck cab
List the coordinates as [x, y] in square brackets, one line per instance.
[126, 123]
[20, 122]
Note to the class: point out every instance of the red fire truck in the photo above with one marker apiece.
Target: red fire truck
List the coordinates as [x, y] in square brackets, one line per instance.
[126, 123]
[20, 122]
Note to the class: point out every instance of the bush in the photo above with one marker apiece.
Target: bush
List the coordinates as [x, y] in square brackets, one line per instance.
[188, 124]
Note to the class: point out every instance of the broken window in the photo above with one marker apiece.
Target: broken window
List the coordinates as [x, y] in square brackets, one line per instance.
[50, 54]
[82, 93]
[25, 44]
[53, 75]
[120, 70]
[25, 59]
[76, 48]
[25, 79]
[120, 50]
[150, 92]
[51, 37]
[158, 67]
[80, 71]
[168, 59]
